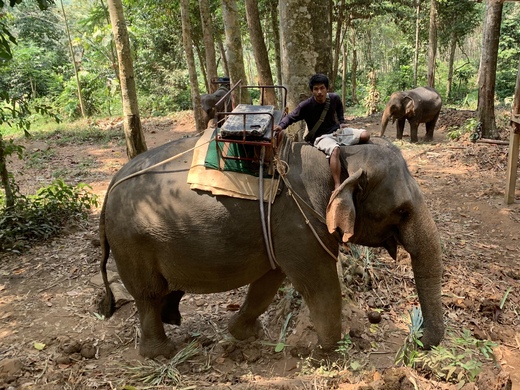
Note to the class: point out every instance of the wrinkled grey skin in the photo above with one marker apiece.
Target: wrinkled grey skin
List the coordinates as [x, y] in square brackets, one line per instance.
[209, 105]
[419, 105]
[166, 238]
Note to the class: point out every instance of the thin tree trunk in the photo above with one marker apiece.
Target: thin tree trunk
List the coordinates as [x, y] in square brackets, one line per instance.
[234, 52]
[135, 142]
[416, 54]
[451, 60]
[209, 44]
[276, 35]
[265, 76]
[207, 82]
[344, 73]
[488, 67]
[4, 174]
[224, 57]
[337, 41]
[186, 40]
[353, 70]
[432, 46]
[73, 59]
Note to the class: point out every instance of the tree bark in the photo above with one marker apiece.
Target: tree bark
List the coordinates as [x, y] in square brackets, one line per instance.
[209, 44]
[451, 60]
[488, 67]
[338, 40]
[224, 57]
[135, 142]
[190, 59]
[4, 175]
[353, 69]
[306, 45]
[234, 52]
[432, 46]
[265, 76]
[276, 38]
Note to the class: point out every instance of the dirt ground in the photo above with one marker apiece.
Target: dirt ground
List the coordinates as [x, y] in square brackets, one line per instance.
[52, 338]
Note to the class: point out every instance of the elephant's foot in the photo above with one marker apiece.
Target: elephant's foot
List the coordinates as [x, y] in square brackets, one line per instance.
[152, 349]
[242, 330]
[432, 338]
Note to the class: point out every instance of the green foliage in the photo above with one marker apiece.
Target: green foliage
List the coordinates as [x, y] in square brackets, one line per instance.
[43, 215]
[410, 350]
[462, 361]
[454, 133]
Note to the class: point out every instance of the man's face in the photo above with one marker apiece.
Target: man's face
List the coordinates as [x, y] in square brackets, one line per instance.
[319, 91]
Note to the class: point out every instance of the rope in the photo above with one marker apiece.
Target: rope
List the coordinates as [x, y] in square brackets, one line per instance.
[280, 167]
[157, 165]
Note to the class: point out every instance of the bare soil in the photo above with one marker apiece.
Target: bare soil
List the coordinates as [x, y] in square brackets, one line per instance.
[52, 338]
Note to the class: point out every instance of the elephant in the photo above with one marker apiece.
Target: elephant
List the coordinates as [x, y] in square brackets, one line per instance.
[208, 103]
[167, 239]
[419, 105]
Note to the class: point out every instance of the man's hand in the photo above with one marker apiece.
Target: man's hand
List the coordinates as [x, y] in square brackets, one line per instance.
[277, 128]
[342, 125]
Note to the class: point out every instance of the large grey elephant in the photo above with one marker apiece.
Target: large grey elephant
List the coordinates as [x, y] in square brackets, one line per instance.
[208, 103]
[166, 238]
[419, 105]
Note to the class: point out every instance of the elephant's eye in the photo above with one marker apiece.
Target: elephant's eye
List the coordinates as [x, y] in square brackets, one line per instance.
[404, 213]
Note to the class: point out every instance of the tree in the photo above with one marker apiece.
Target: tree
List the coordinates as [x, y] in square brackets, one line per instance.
[488, 67]
[265, 77]
[135, 142]
[186, 38]
[234, 52]
[306, 46]
[432, 43]
[209, 44]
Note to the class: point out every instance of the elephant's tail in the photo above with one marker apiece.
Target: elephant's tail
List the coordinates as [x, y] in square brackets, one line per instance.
[107, 306]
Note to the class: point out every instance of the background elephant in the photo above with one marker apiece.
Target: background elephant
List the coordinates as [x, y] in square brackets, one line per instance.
[209, 101]
[419, 105]
[167, 238]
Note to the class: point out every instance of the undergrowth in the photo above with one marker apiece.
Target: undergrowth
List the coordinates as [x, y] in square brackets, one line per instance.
[43, 215]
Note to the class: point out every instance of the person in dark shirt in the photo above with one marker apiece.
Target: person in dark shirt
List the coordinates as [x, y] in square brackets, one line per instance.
[326, 130]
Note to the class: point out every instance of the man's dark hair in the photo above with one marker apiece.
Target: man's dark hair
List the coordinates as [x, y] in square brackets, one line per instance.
[318, 78]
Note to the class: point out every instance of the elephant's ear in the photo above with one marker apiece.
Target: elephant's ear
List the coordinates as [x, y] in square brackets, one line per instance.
[409, 106]
[341, 212]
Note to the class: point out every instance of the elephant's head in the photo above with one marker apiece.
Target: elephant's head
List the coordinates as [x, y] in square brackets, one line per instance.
[400, 105]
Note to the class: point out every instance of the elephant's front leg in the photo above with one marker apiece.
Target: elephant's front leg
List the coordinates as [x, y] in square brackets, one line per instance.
[154, 341]
[414, 126]
[244, 323]
[400, 128]
[320, 289]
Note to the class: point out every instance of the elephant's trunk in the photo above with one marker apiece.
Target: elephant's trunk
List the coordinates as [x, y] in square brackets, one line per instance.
[384, 122]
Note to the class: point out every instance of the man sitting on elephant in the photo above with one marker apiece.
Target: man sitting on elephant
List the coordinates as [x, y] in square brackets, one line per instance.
[324, 115]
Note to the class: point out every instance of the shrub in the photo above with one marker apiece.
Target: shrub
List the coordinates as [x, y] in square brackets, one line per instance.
[43, 215]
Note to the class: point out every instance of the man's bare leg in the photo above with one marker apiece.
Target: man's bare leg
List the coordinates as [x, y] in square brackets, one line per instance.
[335, 167]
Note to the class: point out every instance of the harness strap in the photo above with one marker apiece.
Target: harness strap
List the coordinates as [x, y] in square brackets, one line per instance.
[317, 125]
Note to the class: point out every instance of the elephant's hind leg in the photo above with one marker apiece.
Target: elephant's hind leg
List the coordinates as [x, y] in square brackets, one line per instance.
[154, 341]
[245, 323]
[429, 128]
[170, 313]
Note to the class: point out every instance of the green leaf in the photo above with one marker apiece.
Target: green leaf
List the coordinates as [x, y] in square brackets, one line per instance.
[279, 347]
[39, 346]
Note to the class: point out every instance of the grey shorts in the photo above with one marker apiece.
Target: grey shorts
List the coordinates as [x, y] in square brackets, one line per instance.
[344, 136]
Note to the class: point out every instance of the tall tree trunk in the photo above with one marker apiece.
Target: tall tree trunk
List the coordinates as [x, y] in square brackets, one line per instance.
[4, 175]
[344, 71]
[135, 142]
[451, 60]
[306, 46]
[338, 40]
[353, 69]
[488, 68]
[432, 45]
[190, 58]
[265, 76]
[234, 52]
[223, 56]
[417, 30]
[276, 38]
[209, 44]
[75, 66]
